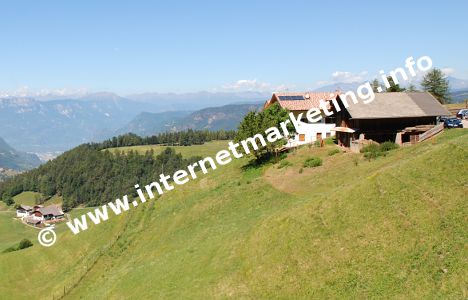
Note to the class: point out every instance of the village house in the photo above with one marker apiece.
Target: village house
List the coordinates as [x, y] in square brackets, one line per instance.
[38, 214]
[48, 213]
[300, 103]
[403, 118]
[23, 211]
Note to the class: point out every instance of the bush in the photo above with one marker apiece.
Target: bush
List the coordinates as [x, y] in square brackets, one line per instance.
[313, 162]
[371, 148]
[387, 146]
[11, 249]
[373, 151]
[284, 163]
[333, 152]
[25, 243]
[301, 170]
[373, 154]
[329, 141]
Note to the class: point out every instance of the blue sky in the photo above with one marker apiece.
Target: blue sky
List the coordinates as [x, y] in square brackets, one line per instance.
[181, 46]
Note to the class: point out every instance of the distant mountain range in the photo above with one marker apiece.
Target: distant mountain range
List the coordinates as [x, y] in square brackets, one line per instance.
[57, 125]
[146, 123]
[16, 160]
[225, 117]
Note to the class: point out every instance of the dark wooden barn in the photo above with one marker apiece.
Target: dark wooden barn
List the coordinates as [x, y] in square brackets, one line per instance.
[396, 117]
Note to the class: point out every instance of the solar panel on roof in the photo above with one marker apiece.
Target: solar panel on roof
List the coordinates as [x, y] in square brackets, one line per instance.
[286, 98]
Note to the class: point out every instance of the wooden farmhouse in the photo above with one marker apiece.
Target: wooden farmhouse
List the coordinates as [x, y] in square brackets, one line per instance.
[403, 118]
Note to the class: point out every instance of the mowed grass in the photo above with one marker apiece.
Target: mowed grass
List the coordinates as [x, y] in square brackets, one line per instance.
[31, 198]
[13, 231]
[207, 149]
[395, 227]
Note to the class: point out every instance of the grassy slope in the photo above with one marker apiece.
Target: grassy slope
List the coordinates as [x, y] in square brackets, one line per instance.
[387, 228]
[209, 148]
[29, 198]
[12, 231]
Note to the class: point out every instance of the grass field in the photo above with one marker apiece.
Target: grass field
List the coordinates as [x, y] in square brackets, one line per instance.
[13, 231]
[206, 149]
[394, 227]
[31, 198]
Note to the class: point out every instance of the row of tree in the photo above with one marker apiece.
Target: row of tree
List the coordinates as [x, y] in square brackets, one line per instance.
[181, 138]
[434, 82]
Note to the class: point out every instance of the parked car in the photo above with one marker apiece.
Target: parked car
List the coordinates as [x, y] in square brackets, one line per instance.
[443, 118]
[463, 114]
[453, 123]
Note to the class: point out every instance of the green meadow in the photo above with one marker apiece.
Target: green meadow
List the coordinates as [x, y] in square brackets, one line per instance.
[393, 227]
[207, 149]
[33, 198]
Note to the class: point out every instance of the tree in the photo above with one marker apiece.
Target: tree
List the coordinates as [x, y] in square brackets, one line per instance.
[258, 122]
[436, 83]
[8, 199]
[393, 87]
[375, 85]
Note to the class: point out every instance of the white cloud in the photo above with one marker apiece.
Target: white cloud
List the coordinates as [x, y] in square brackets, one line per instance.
[344, 77]
[348, 77]
[252, 85]
[25, 91]
[448, 71]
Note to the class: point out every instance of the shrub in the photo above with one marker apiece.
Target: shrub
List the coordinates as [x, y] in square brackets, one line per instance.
[284, 163]
[371, 148]
[329, 141]
[313, 162]
[387, 146]
[301, 170]
[25, 243]
[10, 249]
[333, 152]
[373, 151]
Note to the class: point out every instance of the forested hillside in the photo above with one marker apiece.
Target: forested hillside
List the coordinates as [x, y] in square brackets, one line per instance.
[90, 175]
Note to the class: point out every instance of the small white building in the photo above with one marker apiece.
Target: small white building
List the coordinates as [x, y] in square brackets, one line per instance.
[299, 103]
[23, 211]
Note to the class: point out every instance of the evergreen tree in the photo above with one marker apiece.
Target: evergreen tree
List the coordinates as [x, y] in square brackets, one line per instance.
[375, 85]
[393, 87]
[258, 122]
[436, 83]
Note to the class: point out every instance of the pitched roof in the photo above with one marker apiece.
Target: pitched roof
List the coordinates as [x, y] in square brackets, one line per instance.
[299, 101]
[25, 207]
[51, 210]
[32, 220]
[398, 105]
